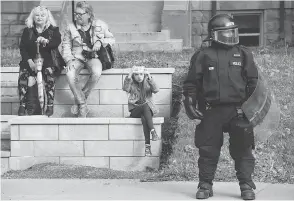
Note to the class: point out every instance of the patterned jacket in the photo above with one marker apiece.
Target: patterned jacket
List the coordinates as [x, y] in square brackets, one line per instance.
[72, 44]
[134, 97]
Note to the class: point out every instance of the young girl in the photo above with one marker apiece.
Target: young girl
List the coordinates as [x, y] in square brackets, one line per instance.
[140, 85]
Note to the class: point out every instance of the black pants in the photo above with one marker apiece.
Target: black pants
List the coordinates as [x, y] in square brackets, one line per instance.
[209, 140]
[144, 112]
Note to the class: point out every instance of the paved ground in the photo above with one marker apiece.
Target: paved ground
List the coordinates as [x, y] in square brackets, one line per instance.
[86, 189]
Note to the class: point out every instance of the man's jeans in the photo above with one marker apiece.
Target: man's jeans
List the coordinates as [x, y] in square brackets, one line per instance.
[95, 68]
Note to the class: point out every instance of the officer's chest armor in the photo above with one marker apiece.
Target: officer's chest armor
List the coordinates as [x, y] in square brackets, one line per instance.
[223, 73]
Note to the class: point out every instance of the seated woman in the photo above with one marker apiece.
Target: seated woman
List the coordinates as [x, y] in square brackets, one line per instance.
[41, 28]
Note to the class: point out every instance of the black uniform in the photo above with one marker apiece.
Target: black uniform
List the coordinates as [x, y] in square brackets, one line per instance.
[221, 78]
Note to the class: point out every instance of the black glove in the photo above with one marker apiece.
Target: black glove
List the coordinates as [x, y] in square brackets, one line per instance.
[191, 111]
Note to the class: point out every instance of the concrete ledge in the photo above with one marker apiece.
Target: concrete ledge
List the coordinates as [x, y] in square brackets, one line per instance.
[37, 119]
[7, 117]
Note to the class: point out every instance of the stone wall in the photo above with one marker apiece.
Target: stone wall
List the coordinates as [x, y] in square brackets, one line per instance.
[272, 25]
[175, 17]
[201, 13]
[13, 15]
[106, 100]
[114, 143]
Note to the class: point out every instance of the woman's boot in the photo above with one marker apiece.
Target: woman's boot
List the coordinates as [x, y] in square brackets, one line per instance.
[49, 111]
[33, 105]
[22, 110]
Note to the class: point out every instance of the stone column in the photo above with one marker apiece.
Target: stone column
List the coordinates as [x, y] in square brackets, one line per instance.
[201, 11]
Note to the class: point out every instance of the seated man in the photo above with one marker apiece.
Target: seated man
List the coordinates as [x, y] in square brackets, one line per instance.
[82, 39]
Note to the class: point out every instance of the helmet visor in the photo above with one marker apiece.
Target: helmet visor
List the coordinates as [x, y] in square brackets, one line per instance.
[227, 36]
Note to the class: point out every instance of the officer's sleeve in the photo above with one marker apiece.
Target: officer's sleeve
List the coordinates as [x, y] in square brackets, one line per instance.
[250, 71]
[193, 82]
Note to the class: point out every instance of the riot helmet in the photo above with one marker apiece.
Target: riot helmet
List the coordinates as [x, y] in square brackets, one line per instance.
[222, 29]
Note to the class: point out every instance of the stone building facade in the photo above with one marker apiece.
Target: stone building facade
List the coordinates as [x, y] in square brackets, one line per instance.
[267, 12]
[186, 20]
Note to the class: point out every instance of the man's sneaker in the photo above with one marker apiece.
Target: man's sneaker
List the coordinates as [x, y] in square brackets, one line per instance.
[247, 192]
[148, 150]
[83, 111]
[204, 191]
[154, 135]
[21, 110]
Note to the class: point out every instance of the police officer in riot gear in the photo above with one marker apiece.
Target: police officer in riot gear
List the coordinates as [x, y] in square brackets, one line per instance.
[220, 78]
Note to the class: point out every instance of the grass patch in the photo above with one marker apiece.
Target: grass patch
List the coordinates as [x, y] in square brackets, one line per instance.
[274, 158]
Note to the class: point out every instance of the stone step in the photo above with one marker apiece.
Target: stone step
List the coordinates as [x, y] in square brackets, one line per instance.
[129, 18]
[173, 45]
[126, 5]
[140, 36]
[134, 27]
[129, 10]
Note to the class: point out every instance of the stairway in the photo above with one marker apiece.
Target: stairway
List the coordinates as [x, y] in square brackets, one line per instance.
[136, 25]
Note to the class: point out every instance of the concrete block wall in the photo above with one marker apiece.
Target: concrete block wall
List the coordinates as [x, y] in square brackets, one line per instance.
[107, 99]
[115, 143]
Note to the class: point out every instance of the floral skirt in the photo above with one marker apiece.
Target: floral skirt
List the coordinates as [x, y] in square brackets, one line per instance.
[49, 81]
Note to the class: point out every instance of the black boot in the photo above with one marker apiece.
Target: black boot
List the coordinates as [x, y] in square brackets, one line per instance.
[33, 105]
[21, 110]
[49, 111]
[247, 192]
[204, 191]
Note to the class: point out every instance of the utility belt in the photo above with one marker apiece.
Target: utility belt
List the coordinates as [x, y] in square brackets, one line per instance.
[240, 113]
[209, 106]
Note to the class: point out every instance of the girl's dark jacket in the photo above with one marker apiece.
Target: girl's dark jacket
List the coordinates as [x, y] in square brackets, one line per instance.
[28, 47]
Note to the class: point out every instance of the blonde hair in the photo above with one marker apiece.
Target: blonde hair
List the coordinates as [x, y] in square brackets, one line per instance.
[50, 20]
[88, 9]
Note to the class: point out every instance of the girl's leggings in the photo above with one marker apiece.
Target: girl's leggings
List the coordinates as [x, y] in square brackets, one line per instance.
[49, 80]
[146, 114]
